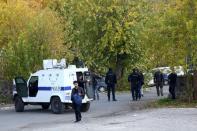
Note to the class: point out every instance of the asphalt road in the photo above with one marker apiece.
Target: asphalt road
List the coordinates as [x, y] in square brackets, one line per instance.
[103, 115]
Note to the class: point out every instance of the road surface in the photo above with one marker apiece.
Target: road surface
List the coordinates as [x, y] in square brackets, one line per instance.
[103, 115]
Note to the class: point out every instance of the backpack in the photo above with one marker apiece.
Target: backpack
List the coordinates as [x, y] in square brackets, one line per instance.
[77, 99]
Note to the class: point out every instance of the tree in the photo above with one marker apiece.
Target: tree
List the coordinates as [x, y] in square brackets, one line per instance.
[171, 37]
[104, 33]
[28, 35]
[167, 38]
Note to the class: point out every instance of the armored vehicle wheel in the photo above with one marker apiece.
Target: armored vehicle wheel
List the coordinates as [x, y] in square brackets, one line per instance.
[56, 105]
[85, 107]
[19, 104]
[45, 106]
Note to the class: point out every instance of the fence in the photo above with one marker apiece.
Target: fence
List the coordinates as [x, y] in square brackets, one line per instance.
[5, 91]
[187, 87]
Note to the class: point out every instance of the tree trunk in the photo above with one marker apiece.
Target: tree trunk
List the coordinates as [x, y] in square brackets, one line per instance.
[119, 70]
[189, 88]
[119, 67]
[195, 85]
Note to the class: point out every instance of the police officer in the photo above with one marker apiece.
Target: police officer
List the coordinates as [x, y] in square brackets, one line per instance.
[77, 91]
[94, 84]
[159, 80]
[134, 79]
[172, 83]
[111, 81]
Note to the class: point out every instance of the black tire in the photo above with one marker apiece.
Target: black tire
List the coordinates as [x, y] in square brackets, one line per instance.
[45, 106]
[56, 105]
[19, 104]
[85, 107]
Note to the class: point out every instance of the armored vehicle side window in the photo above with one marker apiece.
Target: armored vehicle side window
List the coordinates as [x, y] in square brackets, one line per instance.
[19, 81]
[33, 86]
[21, 87]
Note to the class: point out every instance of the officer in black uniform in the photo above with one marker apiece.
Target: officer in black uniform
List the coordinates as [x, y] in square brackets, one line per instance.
[94, 84]
[172, 83]
[134, 79]
[111, 81]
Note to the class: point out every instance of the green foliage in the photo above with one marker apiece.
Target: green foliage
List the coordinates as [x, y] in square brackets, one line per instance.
[171, 36]
[104, 33]
[5, 100]
[171, 33]
[27, 37]
[107, 33]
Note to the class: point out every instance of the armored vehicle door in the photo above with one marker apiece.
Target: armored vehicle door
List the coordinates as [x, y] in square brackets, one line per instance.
[33, 86]
[89, 84]
[21, 87]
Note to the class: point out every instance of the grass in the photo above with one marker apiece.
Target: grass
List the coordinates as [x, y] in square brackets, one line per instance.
[166, 102]
[5, 100]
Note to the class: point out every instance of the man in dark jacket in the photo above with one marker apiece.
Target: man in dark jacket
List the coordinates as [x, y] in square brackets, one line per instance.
[111, 81]
[94, 84]
[159, 80]
[172, 83]
[77, 91]
[134, 79]
[81, 82]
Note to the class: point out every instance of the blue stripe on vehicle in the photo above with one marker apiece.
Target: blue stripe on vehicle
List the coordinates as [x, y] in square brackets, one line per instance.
[65, 88]
[50, 88]
[44, 88]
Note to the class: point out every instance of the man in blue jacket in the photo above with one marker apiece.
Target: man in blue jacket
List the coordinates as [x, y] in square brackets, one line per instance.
[76, 96]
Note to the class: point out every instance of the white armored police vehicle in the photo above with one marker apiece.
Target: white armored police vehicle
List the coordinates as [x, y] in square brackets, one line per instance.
[51, 86]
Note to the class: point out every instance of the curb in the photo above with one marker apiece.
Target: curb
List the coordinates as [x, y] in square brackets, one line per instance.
[6, 106]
